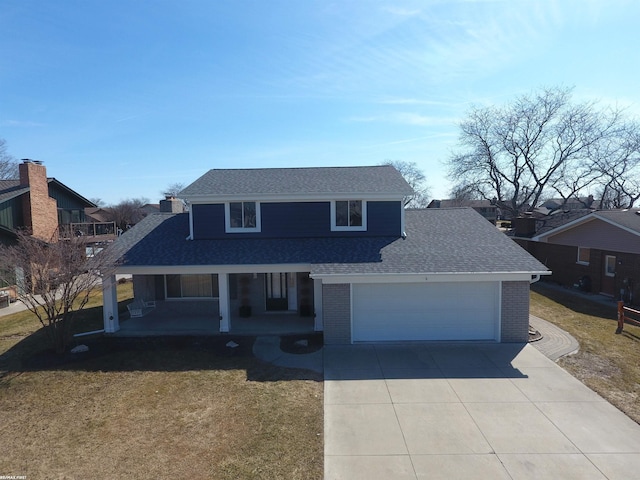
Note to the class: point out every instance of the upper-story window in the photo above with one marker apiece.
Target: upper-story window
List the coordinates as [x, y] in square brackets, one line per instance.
[242, 216]
[349, 215]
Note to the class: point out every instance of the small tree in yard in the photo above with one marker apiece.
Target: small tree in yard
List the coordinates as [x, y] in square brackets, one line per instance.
[54, 280]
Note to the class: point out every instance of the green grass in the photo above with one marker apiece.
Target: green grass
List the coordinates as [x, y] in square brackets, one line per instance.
[153, 408]
[606, 362]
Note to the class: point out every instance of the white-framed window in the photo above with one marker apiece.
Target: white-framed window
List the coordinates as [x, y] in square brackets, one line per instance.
[349, 215]
[242, 217]
[583, 255]
[192, 286]
[610, 265]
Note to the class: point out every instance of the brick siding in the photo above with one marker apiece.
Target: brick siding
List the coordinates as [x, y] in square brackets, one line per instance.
[336, 309]
[566, 271]
[515, 312]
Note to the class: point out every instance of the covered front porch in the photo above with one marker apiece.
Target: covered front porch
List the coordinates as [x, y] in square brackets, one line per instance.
[169, 318]
[213, 303]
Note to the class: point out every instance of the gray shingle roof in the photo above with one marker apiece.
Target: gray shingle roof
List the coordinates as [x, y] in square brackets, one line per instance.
[10, 189]
[381, 179]
[456, 240]
[438, 241]
[557, 222]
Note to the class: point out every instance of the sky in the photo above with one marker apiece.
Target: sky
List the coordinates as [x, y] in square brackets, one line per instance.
[121, 99]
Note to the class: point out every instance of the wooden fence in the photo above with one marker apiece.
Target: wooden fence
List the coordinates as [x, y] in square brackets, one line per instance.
[623, 316]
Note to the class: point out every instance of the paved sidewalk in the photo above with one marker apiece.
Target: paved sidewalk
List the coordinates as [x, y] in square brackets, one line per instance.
[267, 349]
[555, 342]
[12, 308]
[481, 411]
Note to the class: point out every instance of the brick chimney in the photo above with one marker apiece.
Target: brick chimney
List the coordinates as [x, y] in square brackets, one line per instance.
[524, 226]
[171, 205]
[40, 210]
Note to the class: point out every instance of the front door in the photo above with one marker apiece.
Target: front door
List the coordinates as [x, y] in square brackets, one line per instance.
[276, 291]
[609, 275]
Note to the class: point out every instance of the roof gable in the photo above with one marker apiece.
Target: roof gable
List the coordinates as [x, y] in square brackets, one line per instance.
[67, 192]
[627, 220]
[381, 180]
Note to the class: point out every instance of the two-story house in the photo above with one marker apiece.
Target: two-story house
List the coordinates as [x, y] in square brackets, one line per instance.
[45, 206]
[324, 249]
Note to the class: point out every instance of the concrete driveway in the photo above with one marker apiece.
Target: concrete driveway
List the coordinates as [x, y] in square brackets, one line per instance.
[468, 411]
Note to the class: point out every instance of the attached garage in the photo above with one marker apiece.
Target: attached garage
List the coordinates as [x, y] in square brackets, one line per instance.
[426, 311]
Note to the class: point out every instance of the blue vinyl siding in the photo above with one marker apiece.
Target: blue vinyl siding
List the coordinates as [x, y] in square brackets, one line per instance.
[296, 220]
[208, 221]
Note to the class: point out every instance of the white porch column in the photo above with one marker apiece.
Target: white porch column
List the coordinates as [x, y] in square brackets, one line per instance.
[110, 304]
[225, 309]
[317, 305]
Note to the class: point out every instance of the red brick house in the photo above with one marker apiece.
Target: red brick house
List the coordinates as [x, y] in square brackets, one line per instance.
[599, 251]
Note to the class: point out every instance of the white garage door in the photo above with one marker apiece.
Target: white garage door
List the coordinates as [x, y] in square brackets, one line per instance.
[425, 311]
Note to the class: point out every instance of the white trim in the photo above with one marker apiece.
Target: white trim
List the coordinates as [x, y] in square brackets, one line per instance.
[190, 237]
[219, 269]
[544, 237]
[582, 262]
[350, 313]
[223, 302]
[227, 218]
[358, 228]
[429, 277]
[498, 332]
[296, 197]
[110, 318]
[606, 264]
[318, 322]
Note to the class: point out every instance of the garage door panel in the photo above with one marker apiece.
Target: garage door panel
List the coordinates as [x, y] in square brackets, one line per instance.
[412, 311]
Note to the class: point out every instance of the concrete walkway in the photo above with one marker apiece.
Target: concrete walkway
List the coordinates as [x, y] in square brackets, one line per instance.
[268, 350]
[555, 342]
[481, 411]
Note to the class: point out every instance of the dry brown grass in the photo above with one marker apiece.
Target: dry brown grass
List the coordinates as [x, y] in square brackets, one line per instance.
[606, 362]
[154, 409]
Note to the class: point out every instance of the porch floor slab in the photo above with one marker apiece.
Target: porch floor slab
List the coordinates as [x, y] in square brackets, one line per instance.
[157, 323]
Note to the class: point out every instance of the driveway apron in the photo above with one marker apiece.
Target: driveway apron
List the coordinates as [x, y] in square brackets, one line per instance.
[482, 411]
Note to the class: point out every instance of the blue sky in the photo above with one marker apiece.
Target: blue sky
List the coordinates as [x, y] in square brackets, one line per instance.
[122, 98]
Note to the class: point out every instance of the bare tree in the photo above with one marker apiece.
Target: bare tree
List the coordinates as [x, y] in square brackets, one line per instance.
[54, 280]
[539, 145]
[8, 164]
[618, 167]
[416, 179]
[173, 190]
[128, 212]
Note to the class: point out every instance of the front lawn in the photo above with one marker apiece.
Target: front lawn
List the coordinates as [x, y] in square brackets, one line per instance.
[606, 362]
[163, 408]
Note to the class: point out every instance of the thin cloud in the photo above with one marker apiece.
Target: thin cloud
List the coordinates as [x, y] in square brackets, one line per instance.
[406, 118]
[410, 140]
[402, 12]
[21, 124]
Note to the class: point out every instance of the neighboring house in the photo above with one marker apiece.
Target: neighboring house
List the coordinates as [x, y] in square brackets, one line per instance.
[573, 203]
[333, 247]
[44, 205]
[596, 250]
[149, 208]
[484, 207]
